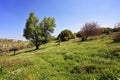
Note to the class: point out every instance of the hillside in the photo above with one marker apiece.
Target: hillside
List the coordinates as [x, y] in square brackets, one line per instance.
[73, 60]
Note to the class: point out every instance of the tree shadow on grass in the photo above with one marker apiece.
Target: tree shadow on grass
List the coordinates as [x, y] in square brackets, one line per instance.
[27, 51]
[17, 53]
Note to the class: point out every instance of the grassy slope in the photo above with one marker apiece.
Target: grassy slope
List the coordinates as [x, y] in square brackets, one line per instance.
[69, 61]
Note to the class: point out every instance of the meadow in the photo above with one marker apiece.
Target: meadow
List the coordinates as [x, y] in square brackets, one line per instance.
[97, 59]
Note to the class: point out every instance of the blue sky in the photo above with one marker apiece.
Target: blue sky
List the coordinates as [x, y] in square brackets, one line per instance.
[69, 14]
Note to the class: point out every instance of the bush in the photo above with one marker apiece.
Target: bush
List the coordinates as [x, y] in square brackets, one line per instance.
[65, 35]
[90, 29]
[79, 34]
[107, 30]
[117, 38]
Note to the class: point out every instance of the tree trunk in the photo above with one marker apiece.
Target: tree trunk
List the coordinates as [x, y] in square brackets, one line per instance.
[37, 47]
[14, 52]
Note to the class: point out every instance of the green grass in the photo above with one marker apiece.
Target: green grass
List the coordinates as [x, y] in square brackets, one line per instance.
[72, 60]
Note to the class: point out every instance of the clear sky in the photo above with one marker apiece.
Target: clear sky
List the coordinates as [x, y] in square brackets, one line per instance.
[69, 14]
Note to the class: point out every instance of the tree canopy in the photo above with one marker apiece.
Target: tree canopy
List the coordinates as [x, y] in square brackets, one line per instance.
[90, 29]
[38, 32]
[65, 35]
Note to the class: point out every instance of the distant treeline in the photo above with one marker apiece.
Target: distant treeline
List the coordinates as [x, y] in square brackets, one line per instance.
[88, 30]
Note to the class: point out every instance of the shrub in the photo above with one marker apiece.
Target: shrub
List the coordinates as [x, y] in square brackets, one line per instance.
[79, 34]
[107, 30]
[117, 38]
[65, 35]
[90, 29]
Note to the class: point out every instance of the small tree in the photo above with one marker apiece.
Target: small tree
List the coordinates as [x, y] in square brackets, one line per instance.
[90, 29]
[38, 32]
[79, 34]
[65, 35]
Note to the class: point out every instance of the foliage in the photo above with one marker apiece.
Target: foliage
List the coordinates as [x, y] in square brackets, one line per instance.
[47, 25]
[107, 30]
[79, 34]
[116, 38]
[38, 32]
[90, 29]
[65, 35]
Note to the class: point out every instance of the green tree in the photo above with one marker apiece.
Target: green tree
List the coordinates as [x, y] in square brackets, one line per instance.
[65, 35]
[38, 32]
[47, 25]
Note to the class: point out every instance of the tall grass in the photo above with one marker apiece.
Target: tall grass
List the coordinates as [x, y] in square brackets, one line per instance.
[91, 60]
